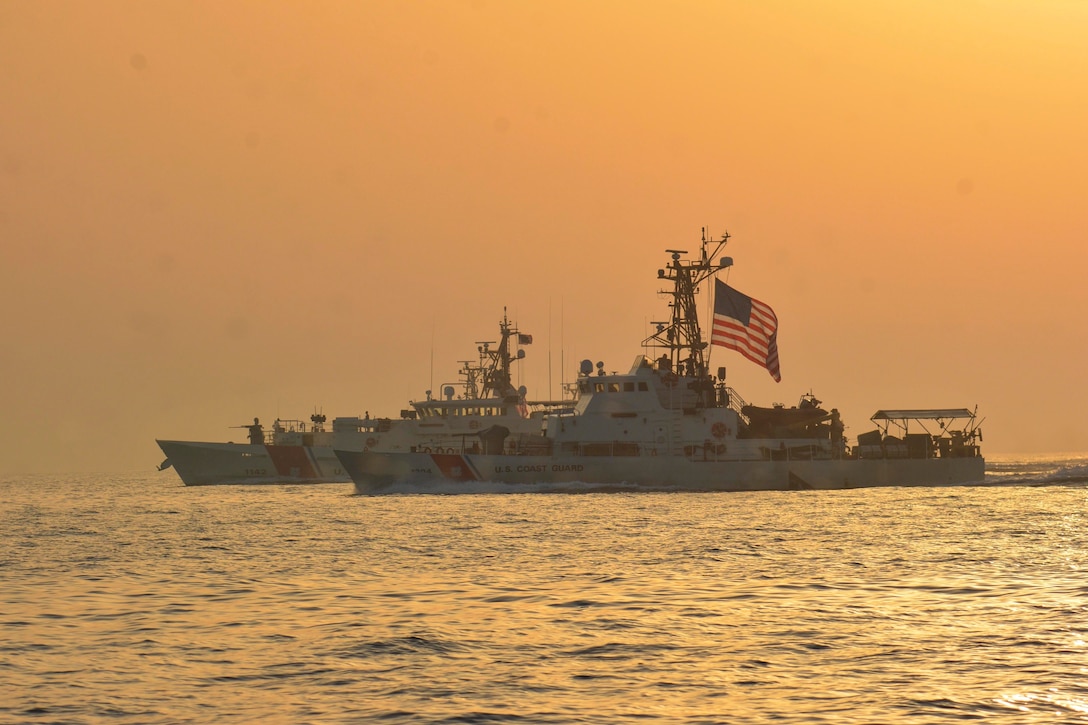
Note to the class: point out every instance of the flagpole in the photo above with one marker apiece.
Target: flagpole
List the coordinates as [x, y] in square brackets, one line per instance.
[710, 318]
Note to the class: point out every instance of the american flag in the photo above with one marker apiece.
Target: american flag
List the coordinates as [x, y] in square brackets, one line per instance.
[747, 326]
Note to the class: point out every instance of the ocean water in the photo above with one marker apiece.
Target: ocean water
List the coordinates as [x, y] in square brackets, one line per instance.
[133, 599]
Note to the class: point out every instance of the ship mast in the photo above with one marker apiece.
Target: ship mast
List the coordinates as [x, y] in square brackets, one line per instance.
[492, 373]
[681, 337]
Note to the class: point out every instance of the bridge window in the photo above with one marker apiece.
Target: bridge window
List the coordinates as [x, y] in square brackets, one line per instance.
[628, 387]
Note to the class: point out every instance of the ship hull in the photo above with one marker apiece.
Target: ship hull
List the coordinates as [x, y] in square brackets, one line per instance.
[205, 464]
[377, 472]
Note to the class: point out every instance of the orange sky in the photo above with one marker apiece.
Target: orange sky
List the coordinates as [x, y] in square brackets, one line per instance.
[211, 211]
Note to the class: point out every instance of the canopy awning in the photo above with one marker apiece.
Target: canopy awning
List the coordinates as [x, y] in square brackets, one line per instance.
[926, 414]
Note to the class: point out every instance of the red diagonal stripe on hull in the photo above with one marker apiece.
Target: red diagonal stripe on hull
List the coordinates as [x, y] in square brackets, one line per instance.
[291, 461]
[454, 467]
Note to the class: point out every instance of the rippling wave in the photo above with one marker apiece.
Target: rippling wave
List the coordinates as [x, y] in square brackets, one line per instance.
[1052, 470]
[132, 599]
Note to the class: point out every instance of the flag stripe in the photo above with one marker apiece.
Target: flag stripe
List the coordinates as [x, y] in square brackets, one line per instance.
[740, 340]
[755, 338]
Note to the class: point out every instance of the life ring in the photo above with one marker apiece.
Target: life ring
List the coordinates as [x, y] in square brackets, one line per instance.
[427, 450]
[449, 450]
[366, 448]
[719, 430]
[653, 451]
[371, 441]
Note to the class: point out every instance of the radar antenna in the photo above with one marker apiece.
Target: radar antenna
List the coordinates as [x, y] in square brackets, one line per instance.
[681, 337]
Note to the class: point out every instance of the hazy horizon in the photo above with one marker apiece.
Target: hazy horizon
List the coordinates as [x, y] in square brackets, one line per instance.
[215, 212]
